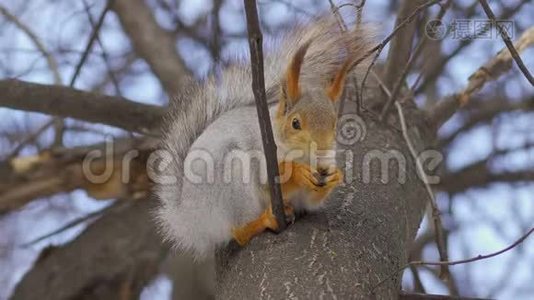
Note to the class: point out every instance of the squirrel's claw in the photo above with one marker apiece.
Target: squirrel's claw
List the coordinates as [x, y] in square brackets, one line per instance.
[290, 219]
[306, 176]
[289, 213]
[334, 178]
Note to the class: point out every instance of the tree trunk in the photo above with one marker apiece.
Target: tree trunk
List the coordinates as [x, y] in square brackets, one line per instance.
[114, 258]
[344, 251]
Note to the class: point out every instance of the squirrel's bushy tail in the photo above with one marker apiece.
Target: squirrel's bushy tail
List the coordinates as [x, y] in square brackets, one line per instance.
[202, 103]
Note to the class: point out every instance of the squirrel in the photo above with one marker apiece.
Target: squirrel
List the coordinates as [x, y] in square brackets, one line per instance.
[218, 189]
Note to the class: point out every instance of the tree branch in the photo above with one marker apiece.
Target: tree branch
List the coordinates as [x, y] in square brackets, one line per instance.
[513, 52]
[419, 296]
[113, 258]
[51, 61]
[105, 56]
[436, 218]
[24, 179]
[400, 80]
[92, 38]
[360, 236]
[486, 111]
[479, 174]
[87, 106]
[378, 48]
[438, 67]
[401, 43]
[463, 261]
[493, 69]
[255, 40]
[152, 43]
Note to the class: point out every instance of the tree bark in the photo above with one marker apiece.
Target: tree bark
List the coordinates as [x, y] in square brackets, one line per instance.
[152, 43]
[114, 258]
[362, 237]
[87, 106]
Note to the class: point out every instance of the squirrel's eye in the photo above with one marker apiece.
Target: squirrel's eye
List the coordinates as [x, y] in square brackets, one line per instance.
[295, 123]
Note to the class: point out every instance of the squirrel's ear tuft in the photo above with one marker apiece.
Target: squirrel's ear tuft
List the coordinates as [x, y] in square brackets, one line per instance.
[292, 87]
[335, 89]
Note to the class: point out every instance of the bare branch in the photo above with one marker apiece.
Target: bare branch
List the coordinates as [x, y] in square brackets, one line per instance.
[401, 43]
[113, 258]
[462, 261]
[402, 77]
[438, 67]
[105, 55]
[419, 296]
[476, 258]
[75, 222]
[485, 112]
[152, 43]
[255, 40]
[378, 48]
[436, 218]
[479, 174]
[24, 179]
[51, 61]
[507, 41]
[87, 106]
[490, 71]
[90, 42]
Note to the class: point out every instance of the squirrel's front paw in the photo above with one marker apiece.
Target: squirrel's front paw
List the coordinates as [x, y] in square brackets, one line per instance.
[330, 180]
[306, 177]
[315, 180]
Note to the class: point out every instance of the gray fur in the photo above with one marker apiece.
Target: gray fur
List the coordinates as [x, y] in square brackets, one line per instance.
[217, 118]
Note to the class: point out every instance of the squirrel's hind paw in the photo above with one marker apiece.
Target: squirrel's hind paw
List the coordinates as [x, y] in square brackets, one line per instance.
[266, 220]
[289, 212]
[240, 236]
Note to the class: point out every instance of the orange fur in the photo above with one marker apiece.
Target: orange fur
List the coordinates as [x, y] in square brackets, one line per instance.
[293, 73]
[301, 177]
[335, 89]
[266, 220]
[317, 126]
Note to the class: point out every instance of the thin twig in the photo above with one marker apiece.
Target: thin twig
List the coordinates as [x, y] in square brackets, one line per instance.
[215, 43]
[378, 48]
[30, 138]
[255, 40]
[457, 262]
[436, 67]
[418, 284]
[359, 10]
[440, 237]
[420, 296]
[105, 55]
[506, 39]
[52, 64]
[335, 11]
[343, 27]
[51, 61]
[56, 120]
[76, 222]
[90, 42]
[411, 61]
[490, 71]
